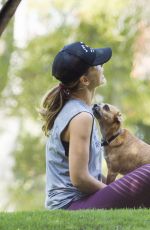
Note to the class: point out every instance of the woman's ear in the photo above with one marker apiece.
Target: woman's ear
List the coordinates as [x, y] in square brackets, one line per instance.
[84, 80]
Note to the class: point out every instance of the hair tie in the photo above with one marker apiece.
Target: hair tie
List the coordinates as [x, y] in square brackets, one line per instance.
[64, 89]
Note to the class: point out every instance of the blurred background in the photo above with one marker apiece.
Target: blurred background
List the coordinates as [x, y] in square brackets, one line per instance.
[27, 48]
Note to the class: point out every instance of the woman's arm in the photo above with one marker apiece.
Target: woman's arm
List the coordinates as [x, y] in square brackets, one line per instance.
[79, 141]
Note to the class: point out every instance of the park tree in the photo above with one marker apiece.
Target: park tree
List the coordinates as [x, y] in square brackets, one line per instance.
[7, 41]
[6, 13]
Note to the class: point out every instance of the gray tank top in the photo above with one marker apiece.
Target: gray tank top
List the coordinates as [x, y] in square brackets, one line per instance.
[59, 190]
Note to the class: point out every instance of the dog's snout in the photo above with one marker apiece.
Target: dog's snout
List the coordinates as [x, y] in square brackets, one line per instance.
[95, 107]
[96, 110]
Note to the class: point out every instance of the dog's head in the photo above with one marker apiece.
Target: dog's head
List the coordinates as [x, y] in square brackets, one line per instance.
[109, 118]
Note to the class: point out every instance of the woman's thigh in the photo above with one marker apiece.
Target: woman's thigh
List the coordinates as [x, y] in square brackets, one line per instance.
[130, 191]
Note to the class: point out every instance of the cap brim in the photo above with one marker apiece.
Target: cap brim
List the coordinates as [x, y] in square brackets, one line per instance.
[102, 56]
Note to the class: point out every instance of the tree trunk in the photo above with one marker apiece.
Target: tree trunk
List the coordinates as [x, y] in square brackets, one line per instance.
[7, 12]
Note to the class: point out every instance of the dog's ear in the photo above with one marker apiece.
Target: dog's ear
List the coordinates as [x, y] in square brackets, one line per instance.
[118, 118]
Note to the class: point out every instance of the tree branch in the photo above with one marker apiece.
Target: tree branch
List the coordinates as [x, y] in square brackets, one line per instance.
[7, 12]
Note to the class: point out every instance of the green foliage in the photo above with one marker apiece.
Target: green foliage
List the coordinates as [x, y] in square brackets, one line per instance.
[27, 194]
[35, 73]
[6, 49]
[29, 156]
[87, 220]
[29, 170]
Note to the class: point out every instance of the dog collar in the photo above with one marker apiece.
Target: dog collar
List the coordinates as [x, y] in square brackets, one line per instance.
[105, 142]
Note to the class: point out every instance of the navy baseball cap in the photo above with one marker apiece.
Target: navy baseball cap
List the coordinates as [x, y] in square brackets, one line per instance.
[75, 59]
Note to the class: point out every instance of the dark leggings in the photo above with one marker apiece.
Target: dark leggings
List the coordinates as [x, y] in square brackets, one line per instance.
[131, 191]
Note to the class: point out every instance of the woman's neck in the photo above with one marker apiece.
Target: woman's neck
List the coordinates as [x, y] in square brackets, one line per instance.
[84, 95]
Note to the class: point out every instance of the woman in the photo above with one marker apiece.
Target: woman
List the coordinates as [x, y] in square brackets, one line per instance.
[73, 151]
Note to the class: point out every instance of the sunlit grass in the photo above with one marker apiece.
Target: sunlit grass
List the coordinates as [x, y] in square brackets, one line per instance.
[77, 220]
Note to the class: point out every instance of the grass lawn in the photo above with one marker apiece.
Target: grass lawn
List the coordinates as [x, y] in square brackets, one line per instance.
[77, 220]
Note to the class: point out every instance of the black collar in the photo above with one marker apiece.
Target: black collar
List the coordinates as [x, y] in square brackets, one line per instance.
[105, 142]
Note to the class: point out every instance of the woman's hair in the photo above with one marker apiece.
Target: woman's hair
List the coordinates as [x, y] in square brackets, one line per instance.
[53, 102]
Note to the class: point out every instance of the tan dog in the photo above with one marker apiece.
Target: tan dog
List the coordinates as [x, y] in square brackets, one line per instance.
[123, 151]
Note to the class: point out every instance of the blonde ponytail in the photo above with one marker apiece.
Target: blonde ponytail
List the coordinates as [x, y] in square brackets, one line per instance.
[53, 102]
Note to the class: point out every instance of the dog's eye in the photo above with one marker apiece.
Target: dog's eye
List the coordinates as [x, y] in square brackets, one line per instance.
[106, 107]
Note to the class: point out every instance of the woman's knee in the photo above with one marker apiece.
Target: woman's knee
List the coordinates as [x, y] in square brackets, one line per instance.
[146, 167]
[144, 171]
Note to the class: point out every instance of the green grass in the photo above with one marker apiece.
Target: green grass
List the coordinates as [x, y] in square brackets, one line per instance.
[77, 220]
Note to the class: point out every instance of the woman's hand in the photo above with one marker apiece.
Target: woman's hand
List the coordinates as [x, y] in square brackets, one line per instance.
[79, 143]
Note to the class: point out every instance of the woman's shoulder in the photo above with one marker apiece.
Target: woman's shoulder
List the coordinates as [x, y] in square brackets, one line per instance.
[71, 109]
[83, 119]
[76, 105]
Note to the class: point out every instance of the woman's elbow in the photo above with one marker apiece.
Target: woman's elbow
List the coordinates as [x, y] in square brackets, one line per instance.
[78, 181]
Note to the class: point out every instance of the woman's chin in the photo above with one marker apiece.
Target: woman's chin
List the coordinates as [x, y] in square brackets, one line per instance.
[103, 82]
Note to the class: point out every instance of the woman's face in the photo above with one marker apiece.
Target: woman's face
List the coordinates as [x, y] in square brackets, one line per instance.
[96, 76]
